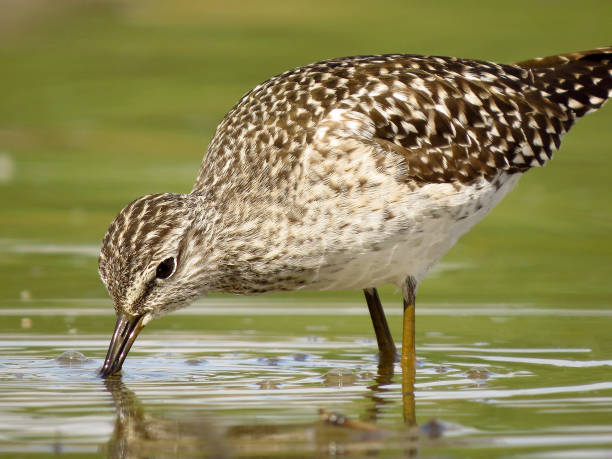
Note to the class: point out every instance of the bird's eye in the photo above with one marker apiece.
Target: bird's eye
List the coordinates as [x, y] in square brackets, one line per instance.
[165, 268]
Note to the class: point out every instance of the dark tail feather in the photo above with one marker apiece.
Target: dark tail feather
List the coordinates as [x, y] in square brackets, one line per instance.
[579, 82]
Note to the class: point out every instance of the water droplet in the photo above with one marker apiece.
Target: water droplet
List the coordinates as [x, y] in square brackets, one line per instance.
[71, 358]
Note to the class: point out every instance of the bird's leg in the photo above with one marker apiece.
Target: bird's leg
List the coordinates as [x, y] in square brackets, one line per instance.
[387, 353]
[386, 346]
[408, 359]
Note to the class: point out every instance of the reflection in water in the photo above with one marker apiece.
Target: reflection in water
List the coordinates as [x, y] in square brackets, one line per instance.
[138, 433]
[384, 377]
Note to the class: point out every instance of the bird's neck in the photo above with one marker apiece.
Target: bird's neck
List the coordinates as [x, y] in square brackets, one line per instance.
[245, 243]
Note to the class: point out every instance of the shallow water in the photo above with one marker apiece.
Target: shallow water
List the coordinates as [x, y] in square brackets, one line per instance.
[217, 380]
[106, 101]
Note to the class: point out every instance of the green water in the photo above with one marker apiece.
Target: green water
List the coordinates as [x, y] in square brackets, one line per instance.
[104, 101]
[220, 380]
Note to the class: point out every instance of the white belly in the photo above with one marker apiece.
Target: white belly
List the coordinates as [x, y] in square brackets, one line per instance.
[428, 222]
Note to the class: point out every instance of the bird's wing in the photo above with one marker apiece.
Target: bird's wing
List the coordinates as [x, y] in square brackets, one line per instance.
[451, 126]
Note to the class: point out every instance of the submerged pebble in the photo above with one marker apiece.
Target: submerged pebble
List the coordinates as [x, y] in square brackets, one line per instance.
[71, 358]
[267, 384]
[433, 429]
[299, 357]
[339, 377]
[272, 361]
[196, 361]
[336, 419]
[479, 374]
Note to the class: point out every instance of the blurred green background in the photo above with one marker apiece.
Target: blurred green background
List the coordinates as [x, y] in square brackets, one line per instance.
[104, 101]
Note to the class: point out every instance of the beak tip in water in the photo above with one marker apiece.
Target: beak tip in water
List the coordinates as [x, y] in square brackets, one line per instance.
[106, 370]
[127, 329]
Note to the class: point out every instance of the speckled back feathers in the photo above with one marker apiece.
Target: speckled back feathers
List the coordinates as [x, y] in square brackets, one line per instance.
[449, 119]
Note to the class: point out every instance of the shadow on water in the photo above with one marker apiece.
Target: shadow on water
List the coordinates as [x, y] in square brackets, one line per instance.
[139, 432]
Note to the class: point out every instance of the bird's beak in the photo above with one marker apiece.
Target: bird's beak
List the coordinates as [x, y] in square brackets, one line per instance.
[126, 331]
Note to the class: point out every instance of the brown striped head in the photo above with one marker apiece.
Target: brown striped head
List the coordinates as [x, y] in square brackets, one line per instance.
[143, 255]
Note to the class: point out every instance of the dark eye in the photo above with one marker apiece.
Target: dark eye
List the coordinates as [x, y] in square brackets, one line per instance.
[165, 268]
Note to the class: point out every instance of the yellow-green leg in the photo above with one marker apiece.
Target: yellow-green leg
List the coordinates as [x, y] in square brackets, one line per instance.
[408, 359]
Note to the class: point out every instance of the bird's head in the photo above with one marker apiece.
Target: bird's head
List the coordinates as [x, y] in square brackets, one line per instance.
[150, 265]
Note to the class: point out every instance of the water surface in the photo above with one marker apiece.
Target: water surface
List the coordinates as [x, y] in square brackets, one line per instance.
[502, 380]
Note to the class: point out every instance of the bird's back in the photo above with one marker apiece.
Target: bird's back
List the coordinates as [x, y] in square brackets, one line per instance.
[450, 119]
[393, 155]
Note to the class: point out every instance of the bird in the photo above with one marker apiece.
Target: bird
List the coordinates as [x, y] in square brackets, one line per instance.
[347, 173]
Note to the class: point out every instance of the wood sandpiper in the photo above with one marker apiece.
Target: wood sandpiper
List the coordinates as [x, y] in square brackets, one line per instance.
[345, 174]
